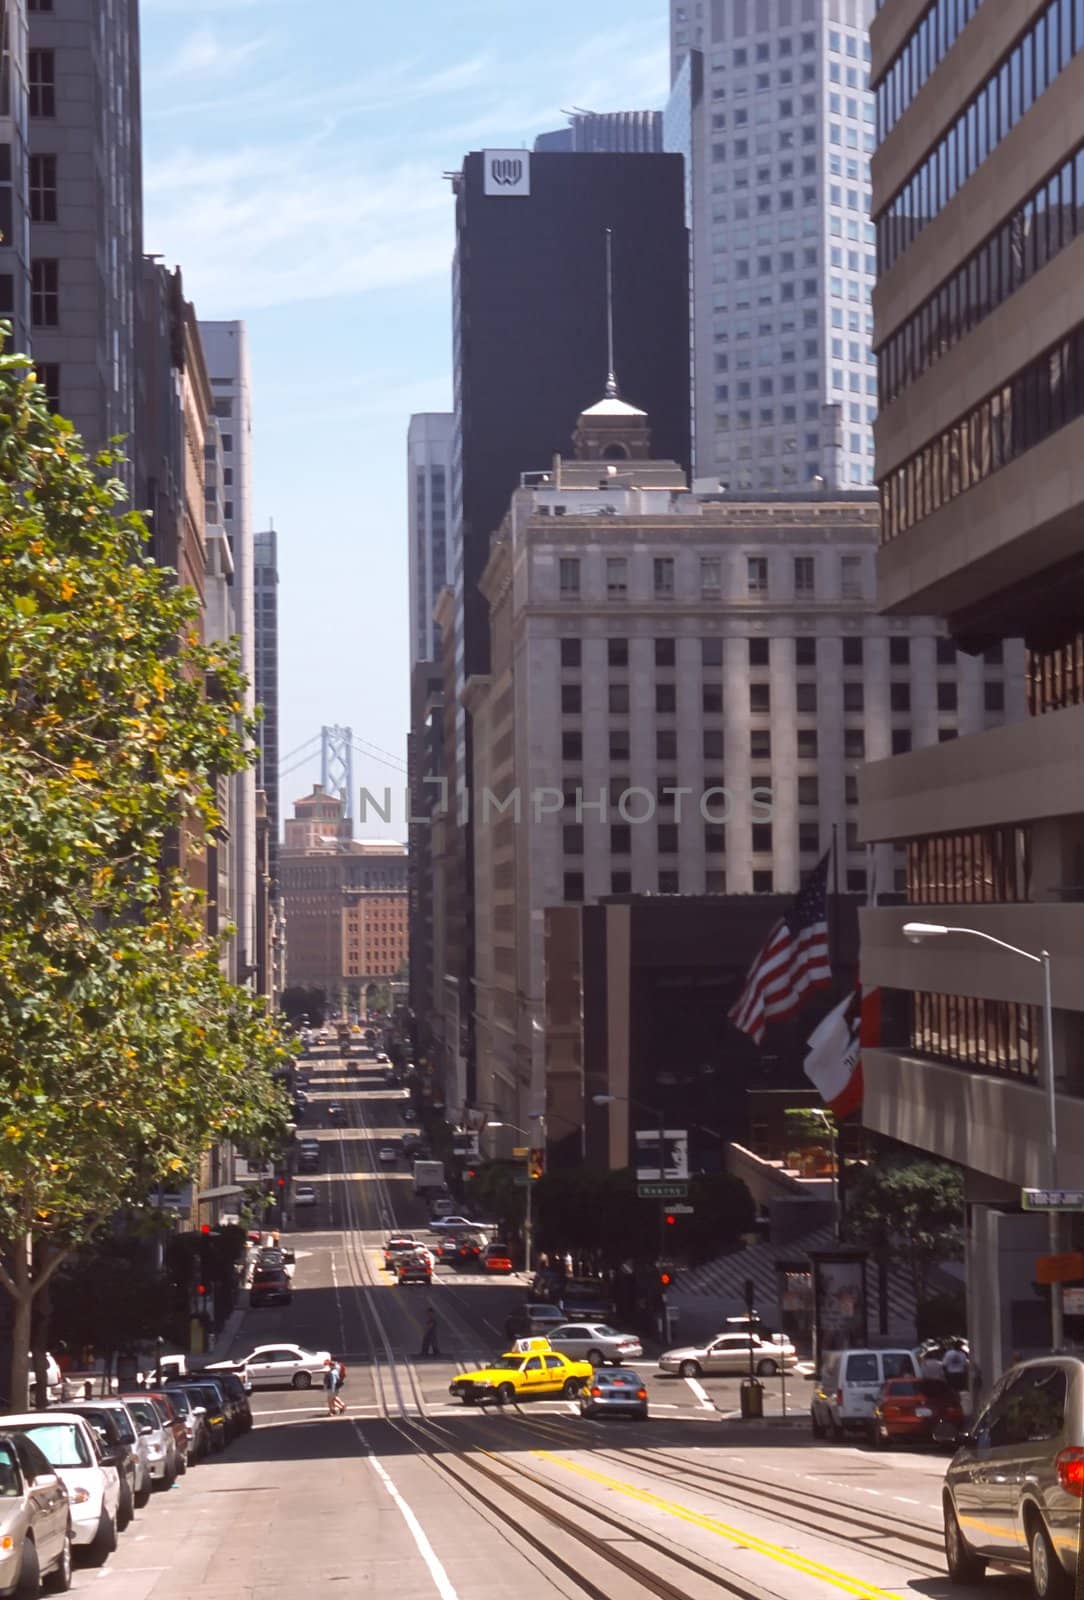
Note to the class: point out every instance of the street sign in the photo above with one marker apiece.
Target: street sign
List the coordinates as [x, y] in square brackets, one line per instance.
[520, 1150]
[1067, 1268]
[1052, 1199]
[1072, 1302]
[663, 1191]
[681, 1210]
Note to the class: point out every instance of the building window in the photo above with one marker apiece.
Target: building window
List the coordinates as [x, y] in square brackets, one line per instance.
[1055, 677]
[993, 696]
[853, 697]
[573, 888]
[762, 838]
[227, 510]
[711, 578]
[803, 575]
[852, 652]
[805, 696]
[854, 744]
[946, 653]
[856, 880]
[757, 574]
[570, 652]
[711, 652]
[44, 293]
[999, 1036]
[569, 569]
[42, 188]
[713, 744]
[665, 653]
[571, 697]
[760, 697]
[899, 652]
[711, 698]
[763, 883]
[665, 697]
[619, 744]
[899, 695]
[572, 746]
[573, 838]
[667, 838]
[621, 882]
[809, 837]
[665, 744]
[227, 442]
[619, 699]
[49, 377]
[669, 882]
[41, 82]
[759, 652]
[805, 652]
[617, 577]
[807, 744]
[850, 577]
[850, 789]
[760, 744]
[988, 866]
[617, 652]
[808, 791]
[620, 839]
[901, 741]
[664, 576]
[946, 696]
[714, 839]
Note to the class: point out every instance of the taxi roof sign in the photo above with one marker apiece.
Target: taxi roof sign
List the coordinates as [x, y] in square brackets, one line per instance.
[526, 1347]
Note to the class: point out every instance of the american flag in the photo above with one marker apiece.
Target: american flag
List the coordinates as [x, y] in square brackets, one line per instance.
[793, 962]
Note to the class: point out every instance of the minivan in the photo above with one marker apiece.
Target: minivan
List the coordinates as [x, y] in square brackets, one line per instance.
[849, 1386]
[1012, 1492]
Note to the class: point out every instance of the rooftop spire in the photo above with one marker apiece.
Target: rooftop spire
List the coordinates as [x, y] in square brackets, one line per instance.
[611, 391]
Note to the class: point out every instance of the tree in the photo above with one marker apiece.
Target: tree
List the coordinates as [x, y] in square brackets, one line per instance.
[723, 1209]
[909, 1211]
[124, 1052]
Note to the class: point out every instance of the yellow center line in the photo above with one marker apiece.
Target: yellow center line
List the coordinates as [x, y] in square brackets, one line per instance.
[738, 1536]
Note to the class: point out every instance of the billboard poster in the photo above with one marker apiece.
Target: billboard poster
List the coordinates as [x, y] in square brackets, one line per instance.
[675, 1154]
[839, 1299]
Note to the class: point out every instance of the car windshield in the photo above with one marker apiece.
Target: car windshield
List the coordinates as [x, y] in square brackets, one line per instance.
[61, 1443]
[601, 1331]
[508, 1364]
[9, 1474]
[108, 1423]
[622, 1379]
[181, 1400]
[144, 1413]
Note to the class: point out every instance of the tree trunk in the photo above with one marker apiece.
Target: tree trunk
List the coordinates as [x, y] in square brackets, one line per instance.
[41, 1312]
[22, 1307]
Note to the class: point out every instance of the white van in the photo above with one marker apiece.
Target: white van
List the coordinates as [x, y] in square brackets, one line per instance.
[849, 1386]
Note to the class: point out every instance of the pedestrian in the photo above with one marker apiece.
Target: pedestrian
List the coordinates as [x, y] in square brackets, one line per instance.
[932, 1365]
[332, 1384]
[429, 1335]
[955, 1364]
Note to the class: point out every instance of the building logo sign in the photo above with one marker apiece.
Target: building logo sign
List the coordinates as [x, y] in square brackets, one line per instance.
[507, 172]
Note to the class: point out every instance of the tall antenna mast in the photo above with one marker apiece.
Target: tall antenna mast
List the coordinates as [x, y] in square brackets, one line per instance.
[611, 376]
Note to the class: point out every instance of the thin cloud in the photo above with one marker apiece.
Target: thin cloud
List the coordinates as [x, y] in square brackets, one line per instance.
[205, 54]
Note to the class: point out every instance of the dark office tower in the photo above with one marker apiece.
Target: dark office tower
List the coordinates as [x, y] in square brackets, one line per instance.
[266, 634]
[530, 346]
[86, 209]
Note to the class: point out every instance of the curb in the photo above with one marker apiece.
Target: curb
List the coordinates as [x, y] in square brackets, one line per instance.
[223, 1341]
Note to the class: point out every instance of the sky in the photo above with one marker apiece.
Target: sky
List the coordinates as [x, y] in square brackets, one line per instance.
[295, 173]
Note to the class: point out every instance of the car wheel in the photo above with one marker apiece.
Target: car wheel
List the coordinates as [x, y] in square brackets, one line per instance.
[182, 1463]
[689, 1369]
[571, 1389]
[1049, 1579]
[28, 1584]
[59, 1580]
[767, 1368]
[596, 1358]
[964, 1566]
[819, 1430]
[878, 1437]
[836, 1428]
[302, 1380]
[505, 1394]
[142, 1496]
[125, 1507]
[104, 1542]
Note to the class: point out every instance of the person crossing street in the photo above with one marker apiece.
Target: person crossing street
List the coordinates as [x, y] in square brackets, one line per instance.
[430, 1346]
[333, 1378]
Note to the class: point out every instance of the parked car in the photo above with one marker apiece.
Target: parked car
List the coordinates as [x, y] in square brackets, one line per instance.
[849, 1386]
[586, 1300]
[617, 1392]
[90, 1474]
[497, 1258]
[596, 1342]
[532, 1319]
[923, 1410]
[270, 1287]
[117, 1432]
[35, 1520]
[162, 1451]
[233, 1399]
[272, 1364]
[54, 1378]
[729, 1353]
[197, 1443]
[336, 1114]
[455, 1223]
[1012, 1492]
[304, 1196]
[207, 1401]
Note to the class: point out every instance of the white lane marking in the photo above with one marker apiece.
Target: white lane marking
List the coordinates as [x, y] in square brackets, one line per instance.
[701, 1393]
[441, 1581]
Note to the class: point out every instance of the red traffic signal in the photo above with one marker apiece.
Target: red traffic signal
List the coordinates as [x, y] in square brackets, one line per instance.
[282, 1183]
[201, 1289]
[665, 1280]
[206, 1228]
[671, 1220]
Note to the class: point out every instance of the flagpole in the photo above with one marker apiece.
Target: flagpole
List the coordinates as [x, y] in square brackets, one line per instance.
[837, 1142]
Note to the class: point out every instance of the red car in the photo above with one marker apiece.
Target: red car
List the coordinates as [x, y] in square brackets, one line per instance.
[924, 1409]
[498, 1258]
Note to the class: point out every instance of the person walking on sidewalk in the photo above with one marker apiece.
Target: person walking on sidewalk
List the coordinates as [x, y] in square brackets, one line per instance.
[429, 1334]
[336, 1405]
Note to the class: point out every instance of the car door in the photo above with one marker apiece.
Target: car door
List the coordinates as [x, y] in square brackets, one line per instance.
[555, 1374]
[728, 1355]
[977, 1476]
[1037, 1416]
[572, 1340]
[861, 1379]
[46, 1494]
[534, 1376]
[274, 1366]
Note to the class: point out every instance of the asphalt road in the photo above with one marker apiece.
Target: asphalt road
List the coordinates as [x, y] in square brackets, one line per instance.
[413, 1493]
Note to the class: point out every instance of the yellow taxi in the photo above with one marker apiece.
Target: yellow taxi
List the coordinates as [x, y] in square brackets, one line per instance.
[530, 1368]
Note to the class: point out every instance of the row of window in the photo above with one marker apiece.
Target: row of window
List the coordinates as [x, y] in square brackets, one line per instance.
[760, 701]
[992, 865]
[667, 791]
[1041, 227]
[711, 577]
[989, 116]
[999, 1036]
[1055, 676]
[666, 838]
[1045, 396]
[760, 652]
[711, 741]
[669, 882]
[41, 82]
[927, 45]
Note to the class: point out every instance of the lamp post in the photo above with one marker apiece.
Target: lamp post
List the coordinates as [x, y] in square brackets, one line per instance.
[917, 932]
[830, 1126]
[528, 1221]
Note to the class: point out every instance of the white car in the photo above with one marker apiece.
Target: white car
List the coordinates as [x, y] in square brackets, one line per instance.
[304, 1195]
[387, 1155]
[34, 1538]
[729, 1354]
[88, 1473]
[454, 1224]
[272, 1364]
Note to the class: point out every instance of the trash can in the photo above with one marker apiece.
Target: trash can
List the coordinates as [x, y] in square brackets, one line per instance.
[752, 1398]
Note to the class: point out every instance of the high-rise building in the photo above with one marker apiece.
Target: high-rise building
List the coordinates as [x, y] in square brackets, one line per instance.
[978, 203]
[15, 175]
[592, 132]
[681, 693]
[429, 523]
[86, 209]
[226, 350]
[266, 648]
[424, 771]
[777, 118]
[530, 350]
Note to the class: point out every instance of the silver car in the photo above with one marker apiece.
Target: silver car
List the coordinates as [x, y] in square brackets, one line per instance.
[35, 1520]
[729, 1354]
[1013, 1490]
[596, 1342]
[618, 1393]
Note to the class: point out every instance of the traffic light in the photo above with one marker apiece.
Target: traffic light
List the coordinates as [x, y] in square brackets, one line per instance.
[205, 1228]
[666, 1278]
[538, 1163]
[671, 1220]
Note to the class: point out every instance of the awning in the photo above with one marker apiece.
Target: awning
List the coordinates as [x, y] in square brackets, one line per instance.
[225, 1191]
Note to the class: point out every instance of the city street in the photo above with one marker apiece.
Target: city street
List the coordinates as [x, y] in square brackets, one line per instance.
[411, 1489]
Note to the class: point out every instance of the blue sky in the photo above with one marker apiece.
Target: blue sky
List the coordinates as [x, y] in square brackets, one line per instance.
[294, 171]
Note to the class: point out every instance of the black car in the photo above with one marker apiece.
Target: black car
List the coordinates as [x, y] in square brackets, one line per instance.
[336, 1114]
[586, 1300]
[208, 1397]
[238, 1410]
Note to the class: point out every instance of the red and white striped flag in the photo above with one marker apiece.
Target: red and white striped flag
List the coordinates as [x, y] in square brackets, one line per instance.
[792, 964]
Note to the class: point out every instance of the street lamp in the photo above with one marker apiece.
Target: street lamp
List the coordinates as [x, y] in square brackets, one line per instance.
[830, 1127]
[917, 932]
[528, 1224]
[625, 1099]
